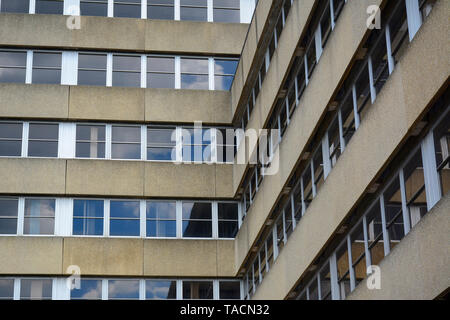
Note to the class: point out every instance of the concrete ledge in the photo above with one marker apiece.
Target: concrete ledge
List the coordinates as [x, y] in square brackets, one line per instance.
[135, 35]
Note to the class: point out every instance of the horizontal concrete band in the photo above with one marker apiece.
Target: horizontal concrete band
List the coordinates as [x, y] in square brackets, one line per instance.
[40, 101]
[114, 178]
[418, 267]
[116, 257]
[122, 34]
[400, 104]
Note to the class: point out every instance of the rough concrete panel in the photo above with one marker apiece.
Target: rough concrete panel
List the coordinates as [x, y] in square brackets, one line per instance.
[224, 181]
[187, 106]
[38, 176]
[101, 103]
[31, 255]
[104, 256]
[262, 11]
[180, 258]
[225, 258]
[33, 101]
[184, 180]
[105, 177]
[423, 254]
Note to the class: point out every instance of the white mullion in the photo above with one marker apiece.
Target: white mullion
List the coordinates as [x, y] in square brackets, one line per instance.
[266, 257]
[60, 289]
[110, 8]
[69, 68]
[284, 227]
[307, 293]
[143, 142]
[179, 293]
[390, 58]
[333, 23]
[313, 179]
[241, 289]
[275, 38]
[143, 218]
[253, 279]
[106, 214]
[71, 7]
[104, 289]
[326, 156]
[319, 289]
[259, 268]
[373, 91]
[334, 278]
[215, 220]
[63, 216]
[179, 217]
[66, 140]
[211, 73]
[275, 242]
[109, 69]
[296, 92]
[179, 145]
[366, 243]
[143, 70]
[267, 61]
[432, 186]
[108, 143]
[25, 133]
[405, 211]
[355, 107]
[20, 216]
[287, 109]
[341, 130]
[305, 58]
[303, 196]
[176, 9]
[240, 213]
[16, 289]
[414, 17]
[387, 248]
[294, 222]
[210, 15]
[32, 7]
[350, 264]
[178, 72]
[141, 287]
[216, 289]
[318, 42]
[143, 9]
[283, 16]
[29, 67]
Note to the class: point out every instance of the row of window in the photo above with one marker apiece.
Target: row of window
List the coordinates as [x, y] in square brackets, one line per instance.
[360, 89]
[406, 196]
[314, 41]
[118, 289]
[105, 141]
[116, 69]
[118, 218]
[233, 11]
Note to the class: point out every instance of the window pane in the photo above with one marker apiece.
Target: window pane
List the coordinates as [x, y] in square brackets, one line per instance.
[197, 66]
[224, 15]
[13, 58]
[46, 76]
[93, 9]
[200, 229]
[91, 78]
[8, 216]
[197, 210]
[17, 6]
[123, 289]
[162, 137]
[91, 227]
[161, 228]
[8, 226]
[89, 290]
[126, 134]
[90, 147]
[42, 149]
[161, 210]
[47, 59]
[13, 75]
[10, 130]
[126, 151]
[226, 3]
[162, 154]
[161, 64]
[160, 12]
[393, 210]
[36, 289]
[229, 290]
[160, 290]
[193, 14]
[126, 63]
[43, 131]
[90, 133]
[6, 289]
[194, 82]
[126, 79]
[228, 211]
[228, 229]
[10, 139]
[225, 66]
[39, 216]
[124, 218]
[223, 82]
[197, 290]
[92, 61]
[84, 212]
[124, 209]
[50, 6]
[160, 80]
[127, 10]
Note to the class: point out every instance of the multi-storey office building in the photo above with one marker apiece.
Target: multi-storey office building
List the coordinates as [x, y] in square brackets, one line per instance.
[105, 169]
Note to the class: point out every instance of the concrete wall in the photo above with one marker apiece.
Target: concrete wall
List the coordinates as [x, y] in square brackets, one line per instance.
[135, 35]
[418, 267]
[116, 257]
[387, 123]
[119, 104]
[114, 178]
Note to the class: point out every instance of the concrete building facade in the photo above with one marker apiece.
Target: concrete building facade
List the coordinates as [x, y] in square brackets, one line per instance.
[234, 149]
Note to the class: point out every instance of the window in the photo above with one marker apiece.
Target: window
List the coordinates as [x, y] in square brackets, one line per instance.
[161, 219]
[313, 292]
[47, 67]
[228, 219]
[224, 71]
[43, 140]
[442, 148]
[124, 218]
[92, 69]
[127, 8]
[229, 290]
[348, 119]
[160, 9]
[318, 169]
[325, 283]
[375, 234]
[126, 142]
[94, 8]
[161, 144]
[197, 220]
[334, 140]
[197, 290]
[226, 11]
[160, 290]
[50, 6]
[36, 289]
[194, 10]
[123, 289]
[8, 215]
[160, 72]
[89, 290]
[88, 217]
[13, 66]
[226, 145]
[358, 253]
[126, 71]
[194, 73]
[196, 144]
[90, 141]
[394, 213]
[16, 6]
[10, 139]
[343, 270]
[6, 289]
[39, 216]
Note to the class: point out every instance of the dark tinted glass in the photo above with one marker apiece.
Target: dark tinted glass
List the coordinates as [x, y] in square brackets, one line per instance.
[131, 10]
[227, 15]
[92, 61]
[92, 78]
[228, 211]
[12, 75]
[161, 136]
[50, 6]
[197, 290]
[44, 59]
[42, 149]
[162, 154]
[16, 6]
[90, 133]
[226, 3]
[8, 216]
[126, 79]
[92, 227]
[160, 9]
[10, 139]
[197, 210]
[6, 289]
[46, 76]
[13, 58]
[94, 9]
[229, 290]
[17, 60]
